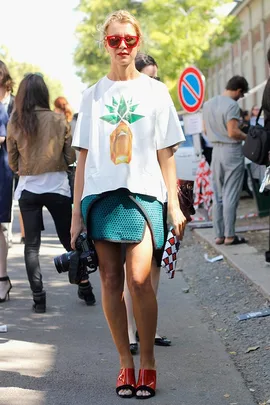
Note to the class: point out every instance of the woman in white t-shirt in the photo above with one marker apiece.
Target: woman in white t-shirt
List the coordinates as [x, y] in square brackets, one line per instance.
[125, 129]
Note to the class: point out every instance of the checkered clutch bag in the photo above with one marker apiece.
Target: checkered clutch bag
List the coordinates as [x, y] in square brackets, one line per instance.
[169, 257]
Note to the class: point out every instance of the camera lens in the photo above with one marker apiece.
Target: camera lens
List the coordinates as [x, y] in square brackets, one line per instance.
[62, 262]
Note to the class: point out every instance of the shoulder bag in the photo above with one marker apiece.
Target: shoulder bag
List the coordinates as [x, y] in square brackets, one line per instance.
[257, 143]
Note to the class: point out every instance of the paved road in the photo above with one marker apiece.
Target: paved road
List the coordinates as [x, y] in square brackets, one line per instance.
[66, 356]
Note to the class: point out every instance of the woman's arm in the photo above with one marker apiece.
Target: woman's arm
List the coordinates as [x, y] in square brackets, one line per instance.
[175, 216]
[13, 153]
[77, 221]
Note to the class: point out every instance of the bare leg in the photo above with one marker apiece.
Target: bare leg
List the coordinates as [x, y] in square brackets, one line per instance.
[155, 276]
[138, 259]
[3, 253]
[4, 285]
[112, 285]
[130, 317]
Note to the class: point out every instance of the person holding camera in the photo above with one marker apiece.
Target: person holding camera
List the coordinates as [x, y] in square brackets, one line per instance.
[125, 131]
[39, 150]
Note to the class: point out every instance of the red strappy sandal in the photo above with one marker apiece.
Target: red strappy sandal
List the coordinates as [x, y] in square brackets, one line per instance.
[126, 381]
[146, 382]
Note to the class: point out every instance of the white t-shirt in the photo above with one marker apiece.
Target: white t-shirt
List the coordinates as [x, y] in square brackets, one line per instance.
[53, 182]
[122, 124]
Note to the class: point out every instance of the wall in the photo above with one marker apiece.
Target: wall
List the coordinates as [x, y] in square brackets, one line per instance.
[247, 56]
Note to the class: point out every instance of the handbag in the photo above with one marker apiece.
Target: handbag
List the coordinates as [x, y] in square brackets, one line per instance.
[257, 143]
[71, 179]
[185, 197]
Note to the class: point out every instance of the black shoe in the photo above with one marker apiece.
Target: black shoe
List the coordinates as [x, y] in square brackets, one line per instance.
[160, 341]
[39, 305]
[5, 292]
[133, 348]
[85, 292]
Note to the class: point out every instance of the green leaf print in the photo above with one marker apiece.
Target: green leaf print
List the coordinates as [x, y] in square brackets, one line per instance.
[122, 108]
[111, 119]
[134, 118]
[132, 108]
[110, 108]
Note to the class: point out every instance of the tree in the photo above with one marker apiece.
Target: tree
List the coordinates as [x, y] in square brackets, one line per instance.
[19, 69]
[177, 33]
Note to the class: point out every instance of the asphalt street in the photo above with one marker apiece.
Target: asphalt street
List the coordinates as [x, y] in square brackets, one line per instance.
[66, 356]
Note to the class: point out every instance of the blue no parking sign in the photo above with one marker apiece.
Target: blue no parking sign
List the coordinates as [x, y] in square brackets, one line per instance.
[191, 89]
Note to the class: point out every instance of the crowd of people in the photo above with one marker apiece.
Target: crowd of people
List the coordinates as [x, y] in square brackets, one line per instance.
[110, 171]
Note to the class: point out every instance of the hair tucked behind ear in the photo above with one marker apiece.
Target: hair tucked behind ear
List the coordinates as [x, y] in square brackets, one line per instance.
[32, 93]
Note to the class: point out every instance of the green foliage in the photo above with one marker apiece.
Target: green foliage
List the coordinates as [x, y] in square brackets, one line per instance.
[177, 33]
[19, 69]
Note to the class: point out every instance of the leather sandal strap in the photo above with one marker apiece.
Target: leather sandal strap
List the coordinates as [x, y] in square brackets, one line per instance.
[6, 278]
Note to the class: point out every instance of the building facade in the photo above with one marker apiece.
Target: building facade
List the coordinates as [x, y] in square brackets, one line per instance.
[247, 56]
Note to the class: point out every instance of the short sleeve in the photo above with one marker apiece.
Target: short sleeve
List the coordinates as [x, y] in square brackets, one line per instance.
[168, 128]
[233, 113]
[83, 125]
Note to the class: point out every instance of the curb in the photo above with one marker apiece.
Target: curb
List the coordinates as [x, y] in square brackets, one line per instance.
[243, 258]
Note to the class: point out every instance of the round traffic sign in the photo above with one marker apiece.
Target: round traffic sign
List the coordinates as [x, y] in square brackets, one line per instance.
[191, 89]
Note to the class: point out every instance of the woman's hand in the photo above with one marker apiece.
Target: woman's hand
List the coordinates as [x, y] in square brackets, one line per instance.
[176, 219]
[76, 228]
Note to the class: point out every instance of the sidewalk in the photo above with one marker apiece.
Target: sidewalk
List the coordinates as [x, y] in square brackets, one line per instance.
[66, 356]
[248, 258]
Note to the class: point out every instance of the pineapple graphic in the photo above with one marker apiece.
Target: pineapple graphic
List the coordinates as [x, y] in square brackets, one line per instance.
[121, 113]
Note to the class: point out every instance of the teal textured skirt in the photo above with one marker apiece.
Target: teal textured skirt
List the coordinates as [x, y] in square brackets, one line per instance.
[122, 216]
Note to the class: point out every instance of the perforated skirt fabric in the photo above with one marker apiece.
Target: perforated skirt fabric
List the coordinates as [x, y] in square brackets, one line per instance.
[121, 216]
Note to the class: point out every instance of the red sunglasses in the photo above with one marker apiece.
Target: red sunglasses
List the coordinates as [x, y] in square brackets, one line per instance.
[114, 41]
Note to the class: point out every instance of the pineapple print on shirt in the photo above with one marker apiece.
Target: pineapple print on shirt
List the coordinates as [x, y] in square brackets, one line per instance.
[121, 112]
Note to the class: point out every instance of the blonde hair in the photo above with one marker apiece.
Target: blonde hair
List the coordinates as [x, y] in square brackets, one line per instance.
[122, 16]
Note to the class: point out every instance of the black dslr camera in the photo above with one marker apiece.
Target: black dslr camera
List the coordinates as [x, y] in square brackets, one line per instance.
[79, 262]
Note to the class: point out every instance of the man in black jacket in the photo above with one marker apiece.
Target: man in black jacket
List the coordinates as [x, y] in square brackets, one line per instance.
[266, 98]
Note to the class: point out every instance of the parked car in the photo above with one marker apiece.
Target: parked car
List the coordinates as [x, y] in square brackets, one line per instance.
[188, 156]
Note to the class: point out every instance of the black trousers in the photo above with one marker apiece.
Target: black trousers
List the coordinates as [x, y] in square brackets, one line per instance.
[31, 205]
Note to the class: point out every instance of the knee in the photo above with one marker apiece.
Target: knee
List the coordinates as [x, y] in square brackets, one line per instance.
[139, 286]
[112, 278]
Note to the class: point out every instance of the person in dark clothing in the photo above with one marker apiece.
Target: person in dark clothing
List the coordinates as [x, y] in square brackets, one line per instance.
[33, 132]
[6, 178]
[266, 98]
